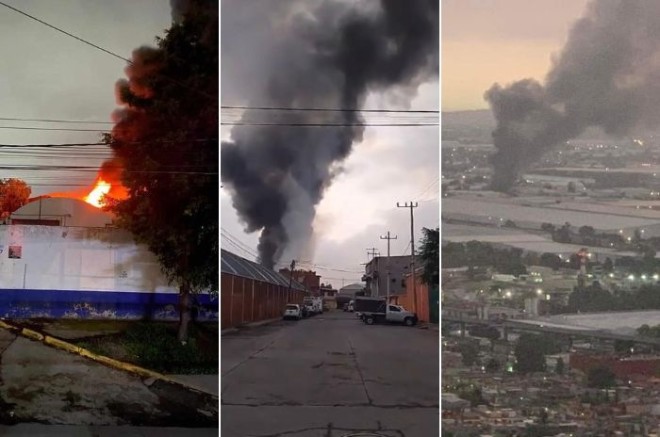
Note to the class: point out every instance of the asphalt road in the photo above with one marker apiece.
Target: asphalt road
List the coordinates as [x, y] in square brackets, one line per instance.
[330, 376]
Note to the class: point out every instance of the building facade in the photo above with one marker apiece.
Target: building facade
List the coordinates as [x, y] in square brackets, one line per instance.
[74, 265]
[250, 292]
[376, 276]
[308, 278]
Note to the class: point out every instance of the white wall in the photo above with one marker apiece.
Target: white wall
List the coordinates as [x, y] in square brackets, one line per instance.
[75, 258]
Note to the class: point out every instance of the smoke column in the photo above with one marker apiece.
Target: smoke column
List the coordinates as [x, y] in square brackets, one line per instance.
[607, 75]
[329, 55]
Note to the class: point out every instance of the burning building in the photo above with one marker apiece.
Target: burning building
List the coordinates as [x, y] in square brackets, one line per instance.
[62, 258]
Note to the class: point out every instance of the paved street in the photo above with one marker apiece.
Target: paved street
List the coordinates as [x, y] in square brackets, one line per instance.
[329, 376]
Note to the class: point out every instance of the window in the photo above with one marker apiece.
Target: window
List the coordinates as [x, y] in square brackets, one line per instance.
[394, 308]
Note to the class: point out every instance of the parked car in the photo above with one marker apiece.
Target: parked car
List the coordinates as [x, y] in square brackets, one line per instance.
[292, 311]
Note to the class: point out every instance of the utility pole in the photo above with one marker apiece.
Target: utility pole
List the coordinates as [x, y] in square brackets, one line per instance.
[293, 266]
[388, 238]
[373, 252]
[412, 251]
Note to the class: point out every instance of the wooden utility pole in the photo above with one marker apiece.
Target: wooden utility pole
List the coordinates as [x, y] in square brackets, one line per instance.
[388, 238]
[373, 252]
[412, 251]
[293, 266]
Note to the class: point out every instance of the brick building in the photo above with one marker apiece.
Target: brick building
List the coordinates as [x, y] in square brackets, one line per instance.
[308, 278]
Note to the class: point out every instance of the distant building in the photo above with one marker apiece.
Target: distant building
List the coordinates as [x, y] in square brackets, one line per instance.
[327, 290]
[308, 278]
[349, 292]
[376, 275]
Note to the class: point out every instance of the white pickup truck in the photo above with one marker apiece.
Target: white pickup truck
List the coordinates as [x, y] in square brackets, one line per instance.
[374, 310]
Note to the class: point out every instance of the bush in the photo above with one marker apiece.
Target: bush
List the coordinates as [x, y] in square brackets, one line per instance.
[155, 346]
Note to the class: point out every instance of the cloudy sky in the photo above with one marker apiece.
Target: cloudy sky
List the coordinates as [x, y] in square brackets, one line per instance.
[390, 165]
[48, 75]
[487, 41]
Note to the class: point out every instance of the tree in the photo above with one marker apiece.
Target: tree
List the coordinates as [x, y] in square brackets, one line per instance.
[14, 193]
[529, 356]
[469, 352]
[601, 377]
[548, 227]
[509, 224]
[588, 234]
[492, 365]
[623, 345]
[563, 234]
[430, 256]
[166, 143]
[551, 260]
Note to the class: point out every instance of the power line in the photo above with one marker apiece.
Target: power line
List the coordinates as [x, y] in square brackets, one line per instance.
[316, 266]
[329, 124]
[52, 120]
[99, 47]
[96, 169]
[275, 108]
[230, 237]
[106, 145]
[63, 129]
[428, 187]
[65, 32]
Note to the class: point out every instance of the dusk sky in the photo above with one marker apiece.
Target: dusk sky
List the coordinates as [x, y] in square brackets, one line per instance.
[488, 41]
[48, 75]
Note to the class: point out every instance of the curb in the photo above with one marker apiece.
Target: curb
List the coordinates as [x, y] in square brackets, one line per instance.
[429, 326]
[249, 325]
[107, 361]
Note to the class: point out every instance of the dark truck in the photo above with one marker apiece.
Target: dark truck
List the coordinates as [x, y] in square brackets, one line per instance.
[374, 310]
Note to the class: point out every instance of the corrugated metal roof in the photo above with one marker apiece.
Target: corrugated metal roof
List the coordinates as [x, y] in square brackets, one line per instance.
[238, 266]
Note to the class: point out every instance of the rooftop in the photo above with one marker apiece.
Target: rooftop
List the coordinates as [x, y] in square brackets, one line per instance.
[238, 266]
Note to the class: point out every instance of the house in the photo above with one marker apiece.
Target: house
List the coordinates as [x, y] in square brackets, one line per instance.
[376, 276]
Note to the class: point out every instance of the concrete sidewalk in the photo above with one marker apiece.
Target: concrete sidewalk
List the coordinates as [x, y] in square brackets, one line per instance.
[38, 430]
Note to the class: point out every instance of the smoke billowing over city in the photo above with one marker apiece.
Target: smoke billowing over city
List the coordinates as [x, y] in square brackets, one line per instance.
[607, 76]
[325, 55]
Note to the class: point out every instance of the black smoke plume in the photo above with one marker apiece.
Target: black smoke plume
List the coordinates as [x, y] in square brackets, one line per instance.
[325, 56]
[607, 76]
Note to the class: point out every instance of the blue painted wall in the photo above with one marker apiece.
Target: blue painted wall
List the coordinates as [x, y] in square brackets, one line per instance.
[55, 304]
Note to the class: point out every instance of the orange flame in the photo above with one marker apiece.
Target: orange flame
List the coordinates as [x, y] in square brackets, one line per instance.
[95, 197]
